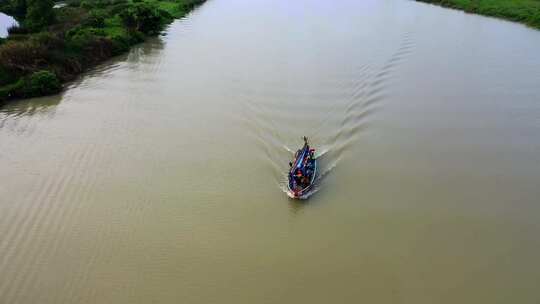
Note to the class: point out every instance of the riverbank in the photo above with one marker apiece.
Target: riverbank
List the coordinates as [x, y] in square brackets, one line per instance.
[523, 11]
[36, 61]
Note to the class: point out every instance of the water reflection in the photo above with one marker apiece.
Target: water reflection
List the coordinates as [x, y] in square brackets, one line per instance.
[27, 107]
[21, 118]
[130, 60]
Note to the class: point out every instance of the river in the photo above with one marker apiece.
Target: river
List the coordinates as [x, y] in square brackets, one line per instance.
[158, 176]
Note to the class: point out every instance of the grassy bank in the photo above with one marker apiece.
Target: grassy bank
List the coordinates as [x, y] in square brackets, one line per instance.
[49, 49]
[523, 11]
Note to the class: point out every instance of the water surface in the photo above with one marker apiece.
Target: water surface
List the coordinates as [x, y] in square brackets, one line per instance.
[157, 177]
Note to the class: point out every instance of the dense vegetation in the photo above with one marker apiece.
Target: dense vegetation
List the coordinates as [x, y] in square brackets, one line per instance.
[54, 45]
[524, 11]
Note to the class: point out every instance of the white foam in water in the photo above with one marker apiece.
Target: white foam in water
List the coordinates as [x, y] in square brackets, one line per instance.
[288, 149]
[283, 186]
[321, 152]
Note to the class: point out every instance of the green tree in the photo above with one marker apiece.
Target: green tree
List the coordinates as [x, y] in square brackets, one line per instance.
[40, 13]
[42, 83]
[16, 8]
[144, 17]
[19, 7]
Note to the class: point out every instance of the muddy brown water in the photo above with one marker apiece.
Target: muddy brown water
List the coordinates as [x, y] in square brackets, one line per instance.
[158, 177]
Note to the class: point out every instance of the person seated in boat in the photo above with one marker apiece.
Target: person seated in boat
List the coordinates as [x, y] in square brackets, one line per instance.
[303, 176]
[309, 168]
[298, 176]
[308, 159]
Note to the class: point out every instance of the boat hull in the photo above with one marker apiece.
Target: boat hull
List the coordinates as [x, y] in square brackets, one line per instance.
[302, 193]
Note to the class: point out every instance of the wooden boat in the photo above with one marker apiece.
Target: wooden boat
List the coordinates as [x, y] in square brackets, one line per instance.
[303, 171]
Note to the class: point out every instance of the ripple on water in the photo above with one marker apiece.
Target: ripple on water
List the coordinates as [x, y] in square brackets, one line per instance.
[278, 113]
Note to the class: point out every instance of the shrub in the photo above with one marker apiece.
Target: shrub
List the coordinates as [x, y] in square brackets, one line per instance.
[11, 90]
[86, 5]
[144, 17]
[79, 37]
[5, 7]
[48, 40]
[40, 13]
[5, 77]
[41, 83]
[84, 31]
[95, 19]
[120, 44]
[118, 8]
[102, 3]
[73, 3]
[16, 8]
[136, 37]
[90, 4]
[89, 44]
[22, 56]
